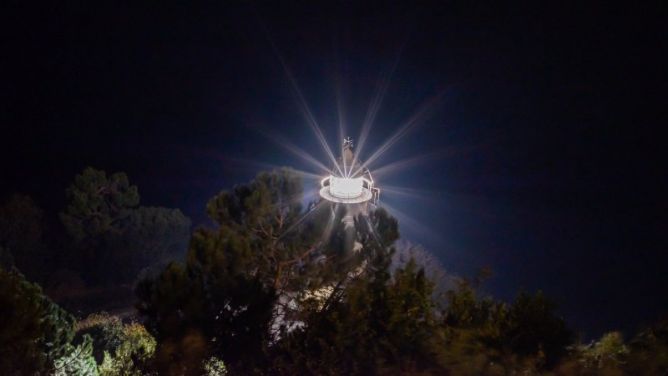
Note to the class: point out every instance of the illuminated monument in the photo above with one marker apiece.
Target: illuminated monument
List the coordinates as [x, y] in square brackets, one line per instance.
[349, 187]
[353, 185]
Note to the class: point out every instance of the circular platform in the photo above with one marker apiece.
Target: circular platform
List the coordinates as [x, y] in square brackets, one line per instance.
[364, 197]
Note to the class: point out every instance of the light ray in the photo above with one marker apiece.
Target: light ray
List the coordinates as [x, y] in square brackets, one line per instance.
[446, 152]
[405, 163]
[342, 130]
[374, 106]
[251, 164]
[410, 222]
[304, 107]
[301, 219]
[296, 150]
[419, 194]
[254, 165]
[373, 231]
[329, 227]
[294, 199]
[408, 125]
[370, 117]
[432, 198]
[340, 104]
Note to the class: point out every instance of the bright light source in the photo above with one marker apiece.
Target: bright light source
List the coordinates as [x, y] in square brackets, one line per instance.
[345, 187]
[349, 189]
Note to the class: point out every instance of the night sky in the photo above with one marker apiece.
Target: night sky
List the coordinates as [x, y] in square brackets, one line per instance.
[544, 155]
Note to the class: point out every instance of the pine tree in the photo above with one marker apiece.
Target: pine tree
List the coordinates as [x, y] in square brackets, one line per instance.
[379, 325]
[245, 282]
[113, 237]
[98, 204]
[22, 228]
[487, 337]
[648, 351]
[34, 331]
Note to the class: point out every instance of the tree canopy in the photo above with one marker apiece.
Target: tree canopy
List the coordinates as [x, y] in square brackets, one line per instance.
[270, 292]
[113, 238]
[278, 286]
[35, 332]
[22, 227]
[98, 204]
[245, 281]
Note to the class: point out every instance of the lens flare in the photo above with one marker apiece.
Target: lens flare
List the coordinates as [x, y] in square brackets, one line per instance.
[346, 189]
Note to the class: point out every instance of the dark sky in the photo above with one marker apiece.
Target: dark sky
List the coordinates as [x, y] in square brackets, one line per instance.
[551, 165]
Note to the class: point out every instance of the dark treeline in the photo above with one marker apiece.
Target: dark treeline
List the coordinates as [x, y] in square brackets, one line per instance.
[264, 291]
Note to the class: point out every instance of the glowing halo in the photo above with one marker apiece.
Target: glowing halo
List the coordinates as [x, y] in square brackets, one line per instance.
[345, 188]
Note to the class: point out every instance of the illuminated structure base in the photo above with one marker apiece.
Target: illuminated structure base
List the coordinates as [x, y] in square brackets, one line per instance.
[364, 197]
[357, 188]
[353, 190]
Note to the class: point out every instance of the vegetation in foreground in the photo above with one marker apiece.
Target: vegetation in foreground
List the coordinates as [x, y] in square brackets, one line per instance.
[263, 292]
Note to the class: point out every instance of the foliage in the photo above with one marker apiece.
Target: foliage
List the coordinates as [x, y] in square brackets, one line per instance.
[259, 228]
[488, 337]
[158, 234]
[34, 331]
[245, 281]
[267, 292]
[132, 355]
[98, 204]
[21, 235]
[182, 355]
[381, 325]
[150, 235]
[532, 328]
[433, 268]
[105, 330]
[120, 349]
[78, 361]
[252, 275]
[604, 355]
[113, 237]
[214, 367]
[648, 351]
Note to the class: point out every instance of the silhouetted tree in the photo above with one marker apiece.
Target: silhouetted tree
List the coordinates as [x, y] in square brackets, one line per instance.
[34, 332]
[433, 268]
[269, 292]
[113, 237]
[151, 237]
[157, 234]
[22, 236]
[648, 351]
[484, 336]
[533, 329]
[607, 356]
[98, 204]
[379, 325]
[244, 282]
